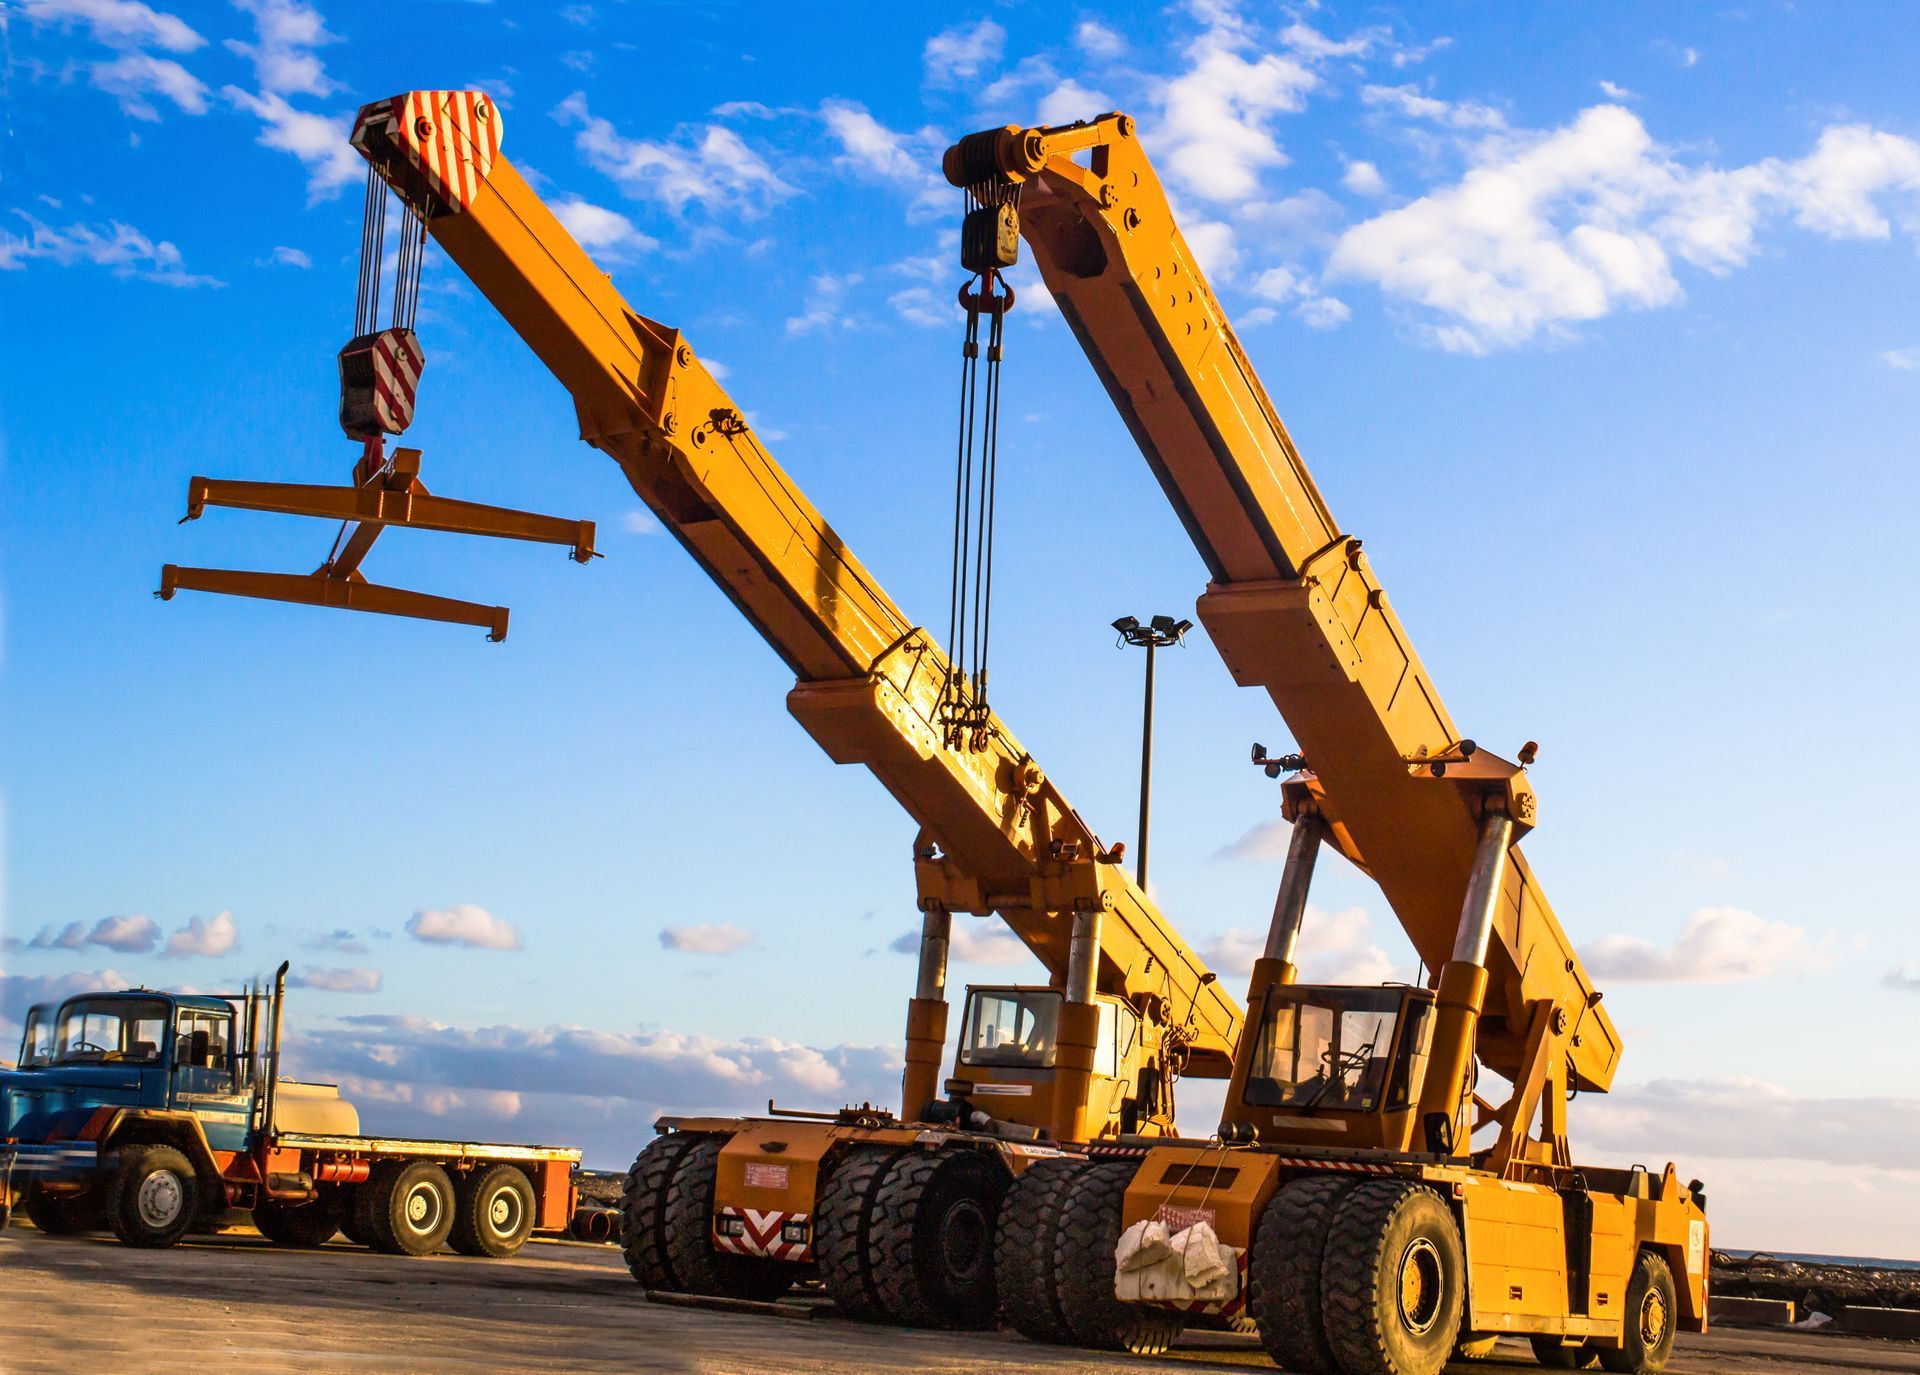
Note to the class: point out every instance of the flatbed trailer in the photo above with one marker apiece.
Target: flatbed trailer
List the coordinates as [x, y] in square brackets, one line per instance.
[155, 1114]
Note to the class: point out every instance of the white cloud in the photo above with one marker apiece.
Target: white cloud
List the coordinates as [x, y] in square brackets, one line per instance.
[603, 232]
[1363, 179]
[1408, 101]
[1310, 43]
[134, 76]
[1613, 90]
[1334, 948]
[283, 256]
[201, 938]
[1324, 312]
[319, 141]
[117, 23]
[826, 299]
[353, 980]
[129, 935]
[1547, 230]
[1216, 115]
[870, 148]
[706, 165]
[721, 938]
[962, 52]
[1901, 360]
[463, 924]
[923, 306]
[117, 246]
[987, 943]
[1715, 945]
[18, 992]
[342, 940]
[1214, 245]
[640, 522]
[1070, 101]
[1097, 40]
[1906, 979]
[1290, 286]
[286, 33]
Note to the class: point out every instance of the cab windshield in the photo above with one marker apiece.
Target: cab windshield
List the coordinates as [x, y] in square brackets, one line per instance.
[1333, 1048]
[111, 1031]
[1012, 1027]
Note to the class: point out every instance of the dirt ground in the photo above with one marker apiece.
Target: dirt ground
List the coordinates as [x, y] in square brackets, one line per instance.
[234, 1303]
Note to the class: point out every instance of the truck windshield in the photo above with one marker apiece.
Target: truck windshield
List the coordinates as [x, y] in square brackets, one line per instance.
[1324, 1048]
[1012, 1027]
[96, 1031]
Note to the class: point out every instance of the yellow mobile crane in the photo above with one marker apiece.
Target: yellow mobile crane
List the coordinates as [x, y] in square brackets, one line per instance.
[897, 1213]
[1374, 1236]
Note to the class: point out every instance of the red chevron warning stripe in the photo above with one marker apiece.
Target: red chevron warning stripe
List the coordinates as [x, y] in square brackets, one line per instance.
[754, 1232]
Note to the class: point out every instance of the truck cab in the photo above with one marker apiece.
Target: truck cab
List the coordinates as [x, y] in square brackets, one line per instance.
[1009, 1053]
[133, 1050]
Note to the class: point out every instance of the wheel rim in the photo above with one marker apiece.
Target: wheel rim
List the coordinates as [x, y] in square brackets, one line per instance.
[423, 1209]
[963, 1234]
[1653, 1318]
[160, 1200]
[504, 1212]
[1421, 1281]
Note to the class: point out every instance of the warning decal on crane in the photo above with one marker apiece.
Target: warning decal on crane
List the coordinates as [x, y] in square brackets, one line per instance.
[451, 137]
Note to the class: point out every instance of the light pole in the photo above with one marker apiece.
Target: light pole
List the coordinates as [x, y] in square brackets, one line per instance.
[1157, 633]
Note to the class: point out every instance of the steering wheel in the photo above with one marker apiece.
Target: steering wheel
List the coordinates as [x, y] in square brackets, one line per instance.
[89, 1045]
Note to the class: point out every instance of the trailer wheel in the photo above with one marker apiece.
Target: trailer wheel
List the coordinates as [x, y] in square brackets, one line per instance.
[493, 1212]
[698, 1266]
[1647, 1338]
[1023, 1251]
[1392, 1280]
[410, 1207]
[153, 1197]
[64, 1215]
[304, 1226]
[1284, 1272]
[351, 1225]
[840, 1232]
[1555, 1355]
[643, 1210]
[930, 1238]
[1083, 1249]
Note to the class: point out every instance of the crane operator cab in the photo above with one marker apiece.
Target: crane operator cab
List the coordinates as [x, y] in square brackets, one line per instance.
[1009, 1056]
[1338, 1064]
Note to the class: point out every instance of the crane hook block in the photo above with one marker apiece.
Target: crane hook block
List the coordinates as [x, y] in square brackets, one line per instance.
[990, 238]
[379, 379]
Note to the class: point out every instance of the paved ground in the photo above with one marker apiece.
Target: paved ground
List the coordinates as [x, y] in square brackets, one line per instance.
[237, 1304]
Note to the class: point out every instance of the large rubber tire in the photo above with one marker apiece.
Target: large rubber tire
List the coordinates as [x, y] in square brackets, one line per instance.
[1083, 1249]
[930, 1237]
[1646, 1342]
[1393, 1280]
[1024, 1275]
[697, 1267]
[153, 1196]
[493, 1212]
[410, 1208]
[841, 1245]
[64, 1215]
[1554, 1356]
[303, 1226]
[643, 1210]
[349, 1214]
[1284, 1273]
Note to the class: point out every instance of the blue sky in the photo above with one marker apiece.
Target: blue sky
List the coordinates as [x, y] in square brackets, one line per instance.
[1596, 323]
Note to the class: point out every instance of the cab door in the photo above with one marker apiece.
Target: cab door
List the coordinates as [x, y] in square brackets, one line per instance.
[204, 1082]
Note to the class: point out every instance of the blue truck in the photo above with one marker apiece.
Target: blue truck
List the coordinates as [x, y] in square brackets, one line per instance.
[157, 1114]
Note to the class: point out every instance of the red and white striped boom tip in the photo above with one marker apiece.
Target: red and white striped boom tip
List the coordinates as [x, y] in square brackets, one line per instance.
[435, 147]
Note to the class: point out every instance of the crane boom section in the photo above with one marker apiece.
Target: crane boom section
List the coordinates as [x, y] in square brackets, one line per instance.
[1293, 605]
[998, 835]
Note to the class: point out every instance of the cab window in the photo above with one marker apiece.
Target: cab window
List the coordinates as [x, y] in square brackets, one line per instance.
[95, 1031]
[1012, 1027]
[1325, 1049]
[36, 1041]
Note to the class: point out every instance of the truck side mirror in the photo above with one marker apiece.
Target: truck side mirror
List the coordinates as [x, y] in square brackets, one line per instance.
[200, 1049]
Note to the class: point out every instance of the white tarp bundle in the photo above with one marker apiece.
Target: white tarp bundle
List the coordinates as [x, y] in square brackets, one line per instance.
[1151, 1264]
